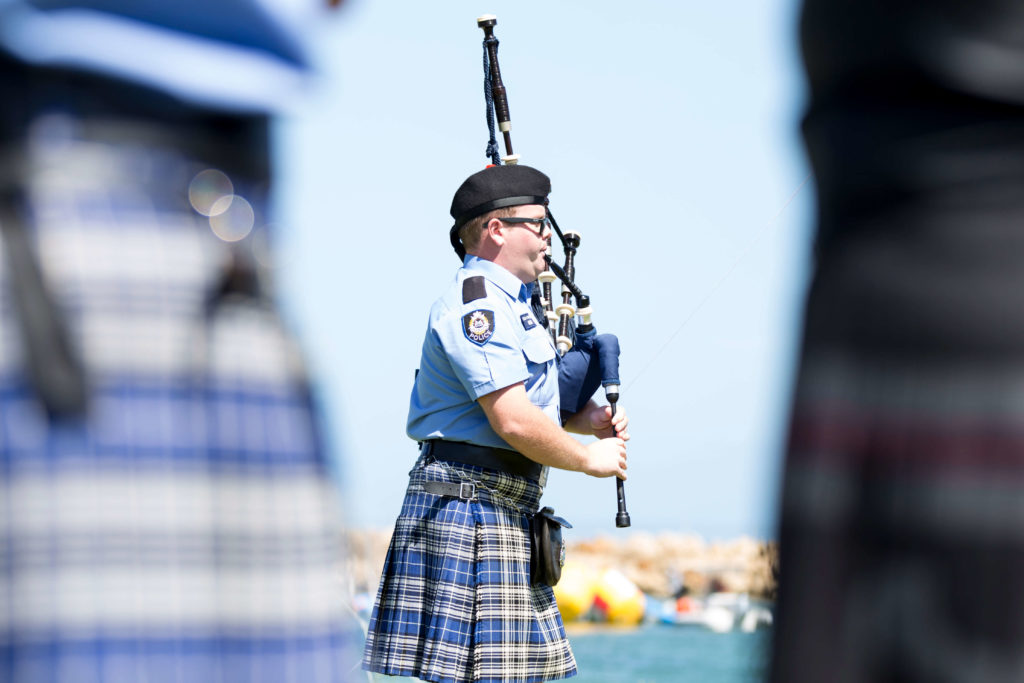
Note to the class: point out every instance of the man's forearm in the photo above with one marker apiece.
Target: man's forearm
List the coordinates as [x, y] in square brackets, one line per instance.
[528, 430]
[541, 440]
[579, 423]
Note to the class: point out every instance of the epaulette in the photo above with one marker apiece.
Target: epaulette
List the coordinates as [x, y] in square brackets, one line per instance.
[473, 288]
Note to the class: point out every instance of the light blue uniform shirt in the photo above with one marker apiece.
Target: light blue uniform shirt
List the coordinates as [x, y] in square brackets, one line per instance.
[474, 348]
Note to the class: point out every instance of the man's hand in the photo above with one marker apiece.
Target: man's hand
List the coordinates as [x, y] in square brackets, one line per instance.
[606, 458]
[603, 425]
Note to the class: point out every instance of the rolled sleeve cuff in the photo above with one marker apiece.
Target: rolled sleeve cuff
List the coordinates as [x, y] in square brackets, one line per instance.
[500, 381]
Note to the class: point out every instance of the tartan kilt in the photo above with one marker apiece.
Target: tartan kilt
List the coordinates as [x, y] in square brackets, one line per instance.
[902, 524]
[455, 602]
[185, 527]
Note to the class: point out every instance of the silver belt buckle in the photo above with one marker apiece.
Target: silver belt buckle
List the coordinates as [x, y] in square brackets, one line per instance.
[467, 490]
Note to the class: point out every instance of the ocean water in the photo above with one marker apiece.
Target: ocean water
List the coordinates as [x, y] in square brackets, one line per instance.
[658, 653]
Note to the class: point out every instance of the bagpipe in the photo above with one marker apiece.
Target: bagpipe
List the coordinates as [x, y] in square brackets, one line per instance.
[586, 359]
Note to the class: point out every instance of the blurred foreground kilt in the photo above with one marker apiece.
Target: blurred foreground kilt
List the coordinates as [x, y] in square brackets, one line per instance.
[902, 524]
[183, 527]
[902, 539]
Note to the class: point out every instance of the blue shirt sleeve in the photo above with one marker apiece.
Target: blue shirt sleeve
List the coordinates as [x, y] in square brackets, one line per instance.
[485, 367]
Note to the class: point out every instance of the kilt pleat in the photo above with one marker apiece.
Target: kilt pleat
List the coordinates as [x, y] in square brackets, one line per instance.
[455, 602]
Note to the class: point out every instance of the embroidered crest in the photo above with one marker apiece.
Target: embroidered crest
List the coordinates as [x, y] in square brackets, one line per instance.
[478, 326]
[528, 321]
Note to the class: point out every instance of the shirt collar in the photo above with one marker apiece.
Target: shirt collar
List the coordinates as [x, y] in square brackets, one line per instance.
[512, 285]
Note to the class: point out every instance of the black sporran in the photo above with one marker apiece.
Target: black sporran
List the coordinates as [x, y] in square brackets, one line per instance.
[547, 550]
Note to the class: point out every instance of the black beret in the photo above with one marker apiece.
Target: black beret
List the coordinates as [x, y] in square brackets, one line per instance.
[496, 187]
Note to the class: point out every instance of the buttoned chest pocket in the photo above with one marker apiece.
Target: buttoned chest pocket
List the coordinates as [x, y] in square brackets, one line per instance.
[540, 355]
[538, 349]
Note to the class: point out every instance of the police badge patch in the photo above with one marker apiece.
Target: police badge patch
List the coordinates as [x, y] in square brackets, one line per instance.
[478, 326]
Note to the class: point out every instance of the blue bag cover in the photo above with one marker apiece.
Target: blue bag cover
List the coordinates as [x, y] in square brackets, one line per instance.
[592, 361]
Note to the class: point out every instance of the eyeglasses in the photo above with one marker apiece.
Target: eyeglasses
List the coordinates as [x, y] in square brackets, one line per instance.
[543, 223]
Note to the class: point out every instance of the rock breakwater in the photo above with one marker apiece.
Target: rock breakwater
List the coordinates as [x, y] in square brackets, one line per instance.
[659, 564]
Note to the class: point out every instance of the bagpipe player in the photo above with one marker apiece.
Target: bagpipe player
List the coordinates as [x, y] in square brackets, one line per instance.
[457, 600]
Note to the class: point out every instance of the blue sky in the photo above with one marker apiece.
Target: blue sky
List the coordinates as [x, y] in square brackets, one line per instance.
[670, 132]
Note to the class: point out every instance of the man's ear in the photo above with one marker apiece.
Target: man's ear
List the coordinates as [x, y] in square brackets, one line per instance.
[496, 231]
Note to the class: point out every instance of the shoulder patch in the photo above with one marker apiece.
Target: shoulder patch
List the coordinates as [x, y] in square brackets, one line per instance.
[478, 326]
[473, 288]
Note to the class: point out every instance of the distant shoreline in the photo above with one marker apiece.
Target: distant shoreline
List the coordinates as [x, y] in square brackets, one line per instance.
[662, 565]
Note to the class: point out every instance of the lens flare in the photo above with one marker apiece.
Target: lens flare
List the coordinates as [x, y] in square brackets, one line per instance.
[234, 220]
[207, 189]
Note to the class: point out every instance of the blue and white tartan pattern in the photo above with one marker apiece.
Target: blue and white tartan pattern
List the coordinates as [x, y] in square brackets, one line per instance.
[186, 529]
[455, 602]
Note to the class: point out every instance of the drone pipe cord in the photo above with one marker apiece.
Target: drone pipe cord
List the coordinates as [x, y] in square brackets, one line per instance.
[497, 88]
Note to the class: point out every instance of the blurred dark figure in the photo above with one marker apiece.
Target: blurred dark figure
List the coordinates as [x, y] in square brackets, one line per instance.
[166, 512]
[902, 524]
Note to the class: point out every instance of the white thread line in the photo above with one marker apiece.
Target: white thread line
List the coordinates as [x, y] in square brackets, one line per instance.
[721, 281]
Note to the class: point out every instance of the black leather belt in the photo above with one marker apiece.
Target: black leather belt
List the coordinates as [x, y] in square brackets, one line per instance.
[501, 459]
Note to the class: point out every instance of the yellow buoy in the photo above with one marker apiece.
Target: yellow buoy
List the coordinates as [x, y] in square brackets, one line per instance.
[618, 599]
[575, 591]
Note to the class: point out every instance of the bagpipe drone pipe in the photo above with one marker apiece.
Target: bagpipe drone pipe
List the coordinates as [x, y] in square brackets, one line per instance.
[586, 360]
